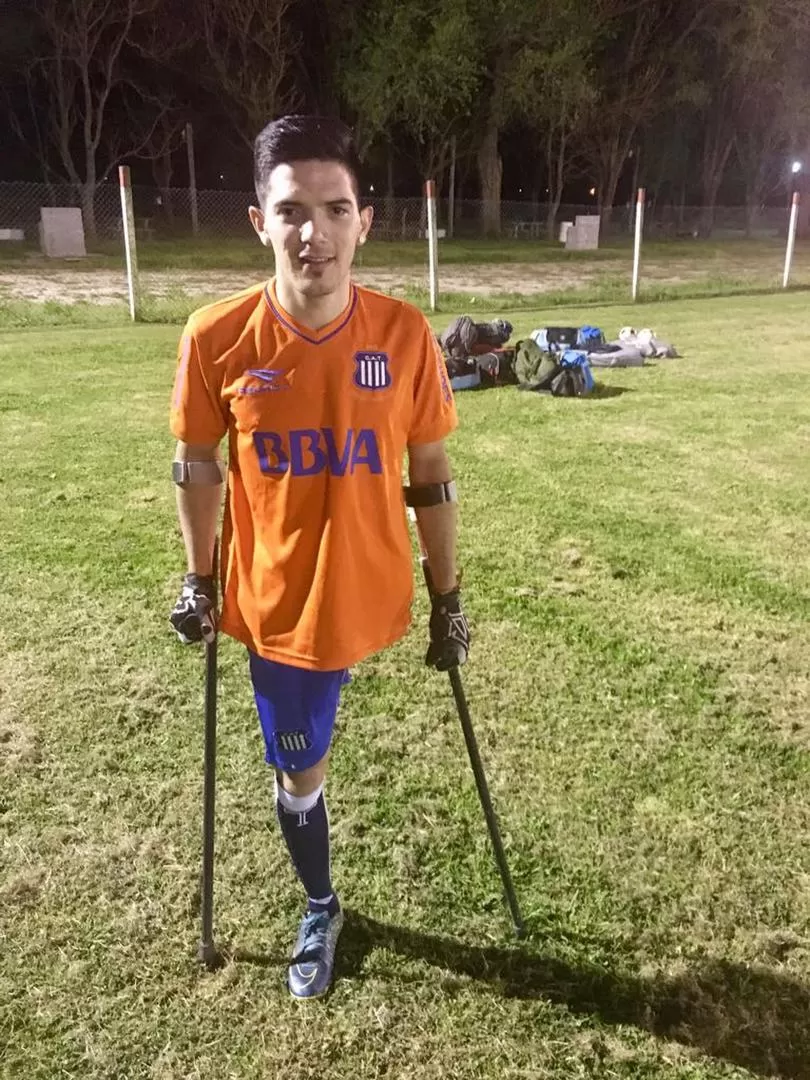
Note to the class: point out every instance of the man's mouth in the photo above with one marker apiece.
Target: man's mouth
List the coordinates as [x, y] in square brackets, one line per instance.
[315, 260]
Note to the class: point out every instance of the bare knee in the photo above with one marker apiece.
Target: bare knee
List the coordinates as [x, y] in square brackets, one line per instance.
[305, 781]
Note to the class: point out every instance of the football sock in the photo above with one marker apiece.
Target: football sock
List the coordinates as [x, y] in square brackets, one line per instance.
[305, 827]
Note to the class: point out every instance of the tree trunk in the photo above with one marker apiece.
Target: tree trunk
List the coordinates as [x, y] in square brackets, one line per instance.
[717, 150]
[390, 208]
[490, 173]
[634, 189]
[88, 196]
[682, 208]
[711, 187]
[610, 171]
[162, 170]
[556, 181]
[802, 185]
[451, 191]
[752, 207]
[608, 195]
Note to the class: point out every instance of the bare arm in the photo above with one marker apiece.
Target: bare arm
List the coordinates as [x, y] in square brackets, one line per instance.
[198, 509]
[428, 463]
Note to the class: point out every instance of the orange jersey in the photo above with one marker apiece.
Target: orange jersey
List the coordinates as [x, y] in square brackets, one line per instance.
[316, 562]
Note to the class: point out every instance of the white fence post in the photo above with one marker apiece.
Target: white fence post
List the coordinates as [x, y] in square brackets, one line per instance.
[791, 241]
[128, 220]
[637, 243]
[433, 243]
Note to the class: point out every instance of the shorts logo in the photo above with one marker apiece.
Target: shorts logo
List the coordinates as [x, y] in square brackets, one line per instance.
[371, 371]
[293, 741]
[268, 379]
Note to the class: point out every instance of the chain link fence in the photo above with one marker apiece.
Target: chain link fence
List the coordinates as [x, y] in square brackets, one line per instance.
[167, 213]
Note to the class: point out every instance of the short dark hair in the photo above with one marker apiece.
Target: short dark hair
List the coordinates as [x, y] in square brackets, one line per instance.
[303, 138]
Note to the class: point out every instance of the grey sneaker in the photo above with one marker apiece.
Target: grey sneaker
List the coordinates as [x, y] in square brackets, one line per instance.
[313, 959]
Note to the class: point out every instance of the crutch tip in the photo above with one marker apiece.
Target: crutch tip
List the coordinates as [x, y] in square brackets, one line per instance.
[210, 956]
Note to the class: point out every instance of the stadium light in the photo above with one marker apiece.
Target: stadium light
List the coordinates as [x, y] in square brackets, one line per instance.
[796, 167]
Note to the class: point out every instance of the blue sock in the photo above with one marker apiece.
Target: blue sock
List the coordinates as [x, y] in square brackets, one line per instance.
[305, 827]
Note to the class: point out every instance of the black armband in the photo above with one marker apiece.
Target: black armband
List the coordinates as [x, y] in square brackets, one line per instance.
[430, 494]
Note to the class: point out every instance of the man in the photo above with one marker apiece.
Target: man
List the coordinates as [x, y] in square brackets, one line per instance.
[320, 387]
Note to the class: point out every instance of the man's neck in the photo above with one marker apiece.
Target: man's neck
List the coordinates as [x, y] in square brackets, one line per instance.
[313, 312]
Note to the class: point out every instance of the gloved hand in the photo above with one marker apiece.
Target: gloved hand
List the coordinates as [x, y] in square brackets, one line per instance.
[194, 616]
[449, 631]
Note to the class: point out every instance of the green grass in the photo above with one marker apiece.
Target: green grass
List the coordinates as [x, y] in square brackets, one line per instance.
[636, 572]
[176, 307]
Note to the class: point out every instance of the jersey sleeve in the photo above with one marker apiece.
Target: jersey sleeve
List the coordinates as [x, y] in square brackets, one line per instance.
[197, 414]
[434, 408]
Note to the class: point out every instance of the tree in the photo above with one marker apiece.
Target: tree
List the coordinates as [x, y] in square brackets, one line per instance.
[81, 63]
[551, 91]
[535, 57]
[250, 46]
[763, 85]
[413, 65]
[640, 51]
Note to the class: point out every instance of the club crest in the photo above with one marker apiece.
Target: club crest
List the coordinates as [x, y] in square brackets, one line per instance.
[371, 371]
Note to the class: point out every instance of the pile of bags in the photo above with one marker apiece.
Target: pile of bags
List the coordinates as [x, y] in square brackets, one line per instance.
[556, 359]
[553, 366]
[474, 353]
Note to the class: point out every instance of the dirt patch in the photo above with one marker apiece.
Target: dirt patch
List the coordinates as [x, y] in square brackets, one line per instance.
[108, 287]
[68, 284]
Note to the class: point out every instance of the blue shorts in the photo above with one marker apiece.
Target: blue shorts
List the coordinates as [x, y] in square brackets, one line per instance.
[297, 710]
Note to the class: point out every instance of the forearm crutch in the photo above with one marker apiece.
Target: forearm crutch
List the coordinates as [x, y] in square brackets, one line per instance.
[207, 952]
[477, 766]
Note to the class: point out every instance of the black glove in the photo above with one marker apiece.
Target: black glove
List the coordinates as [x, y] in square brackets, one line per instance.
[449, 632]
[194, 616]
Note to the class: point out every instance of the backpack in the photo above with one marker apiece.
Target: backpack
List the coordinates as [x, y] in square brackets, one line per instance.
[556, 338]
[463, 337]
[534, 368]
[575, 378]
[589, 337]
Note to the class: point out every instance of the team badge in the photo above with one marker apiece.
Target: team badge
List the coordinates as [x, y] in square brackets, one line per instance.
[371, 371]
[293, 741]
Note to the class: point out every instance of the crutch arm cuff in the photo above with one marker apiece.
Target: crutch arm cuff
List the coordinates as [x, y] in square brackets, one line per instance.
[421, 495]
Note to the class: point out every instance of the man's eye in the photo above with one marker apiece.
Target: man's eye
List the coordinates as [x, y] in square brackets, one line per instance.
[339, 211]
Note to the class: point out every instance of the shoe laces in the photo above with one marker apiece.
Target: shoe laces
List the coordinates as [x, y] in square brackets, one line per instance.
[316, 930]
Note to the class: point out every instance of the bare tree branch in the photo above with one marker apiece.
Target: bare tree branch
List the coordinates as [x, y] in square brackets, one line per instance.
[251, 48]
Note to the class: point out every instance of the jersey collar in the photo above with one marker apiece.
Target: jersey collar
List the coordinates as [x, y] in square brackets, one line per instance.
[313, 337]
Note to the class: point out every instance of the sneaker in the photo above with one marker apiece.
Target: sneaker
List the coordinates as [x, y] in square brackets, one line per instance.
[313, 959]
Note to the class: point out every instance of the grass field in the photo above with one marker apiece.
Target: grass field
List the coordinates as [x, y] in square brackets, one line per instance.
[636, 573]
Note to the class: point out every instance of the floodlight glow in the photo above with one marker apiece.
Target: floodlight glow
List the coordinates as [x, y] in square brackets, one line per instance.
[796, 167]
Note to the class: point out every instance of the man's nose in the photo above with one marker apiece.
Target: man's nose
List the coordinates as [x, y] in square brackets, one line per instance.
[312, 228]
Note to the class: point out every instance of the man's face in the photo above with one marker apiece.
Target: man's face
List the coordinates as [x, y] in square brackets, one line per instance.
[311, 220]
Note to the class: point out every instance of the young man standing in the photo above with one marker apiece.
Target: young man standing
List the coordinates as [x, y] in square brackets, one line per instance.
[321, 387]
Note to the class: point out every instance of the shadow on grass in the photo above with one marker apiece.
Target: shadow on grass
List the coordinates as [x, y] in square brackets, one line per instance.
[601, 391]
[749, 1016]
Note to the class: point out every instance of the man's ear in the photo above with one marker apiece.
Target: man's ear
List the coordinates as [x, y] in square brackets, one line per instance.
[257, 221]
[366, 217]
